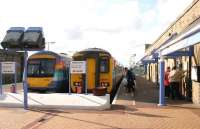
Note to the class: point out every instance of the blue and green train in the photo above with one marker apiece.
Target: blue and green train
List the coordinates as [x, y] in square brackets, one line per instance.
[48, 71]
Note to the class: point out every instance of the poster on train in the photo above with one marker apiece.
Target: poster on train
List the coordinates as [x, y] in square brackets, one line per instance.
[78, 67]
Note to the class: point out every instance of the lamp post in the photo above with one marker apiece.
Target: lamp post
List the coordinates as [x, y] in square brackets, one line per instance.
[49, 43]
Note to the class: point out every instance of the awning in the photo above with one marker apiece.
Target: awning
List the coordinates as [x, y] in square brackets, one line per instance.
[180, 53]
[171, 48]
[148, 60]
[186, 39]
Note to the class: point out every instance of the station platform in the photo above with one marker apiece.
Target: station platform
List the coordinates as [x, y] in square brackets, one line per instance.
[147, 95]
[56, 100]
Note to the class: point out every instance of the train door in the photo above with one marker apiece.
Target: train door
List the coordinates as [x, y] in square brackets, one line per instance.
[91, 75]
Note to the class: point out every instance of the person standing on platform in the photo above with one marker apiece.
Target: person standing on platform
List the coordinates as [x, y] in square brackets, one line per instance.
[134, 79]
[129, 77]
[174, 83]
[124, 80]
[166, 82]
[180, 75]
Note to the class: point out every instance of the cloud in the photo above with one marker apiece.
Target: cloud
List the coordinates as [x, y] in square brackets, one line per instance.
[118, 26]
[114, 30]
[169, 10]
[74, 33]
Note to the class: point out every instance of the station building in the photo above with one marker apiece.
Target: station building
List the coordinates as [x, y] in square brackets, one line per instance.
[185, 58]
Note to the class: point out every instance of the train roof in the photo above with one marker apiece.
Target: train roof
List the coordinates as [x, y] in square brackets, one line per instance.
[52, 53]
[93, 50]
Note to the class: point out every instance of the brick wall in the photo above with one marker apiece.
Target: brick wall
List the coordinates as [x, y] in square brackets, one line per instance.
[189, 16]
[196, 59]
[196, 92]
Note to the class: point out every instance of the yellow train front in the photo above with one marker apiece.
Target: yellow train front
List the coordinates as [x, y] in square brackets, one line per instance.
[48, 71]
[101, 70]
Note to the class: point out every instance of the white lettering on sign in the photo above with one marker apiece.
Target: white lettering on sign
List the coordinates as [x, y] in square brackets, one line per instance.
[78, 67]
[7, 67]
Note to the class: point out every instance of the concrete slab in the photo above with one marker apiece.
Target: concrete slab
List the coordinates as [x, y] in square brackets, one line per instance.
[57, 100]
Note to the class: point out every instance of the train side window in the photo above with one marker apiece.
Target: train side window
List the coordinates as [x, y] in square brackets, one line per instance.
[104, 65]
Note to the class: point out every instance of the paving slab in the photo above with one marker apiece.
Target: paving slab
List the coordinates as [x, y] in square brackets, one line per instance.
[57, 100]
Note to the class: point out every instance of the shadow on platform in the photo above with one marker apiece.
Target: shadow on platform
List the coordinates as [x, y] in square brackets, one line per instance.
[146, 92]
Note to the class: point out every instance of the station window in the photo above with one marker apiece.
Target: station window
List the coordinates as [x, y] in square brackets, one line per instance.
[104, 65]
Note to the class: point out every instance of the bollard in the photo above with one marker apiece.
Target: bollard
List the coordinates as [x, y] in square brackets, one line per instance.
[13, 89]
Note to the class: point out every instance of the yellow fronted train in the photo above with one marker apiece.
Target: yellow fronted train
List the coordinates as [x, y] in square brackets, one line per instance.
[48, 71]
[102, 70]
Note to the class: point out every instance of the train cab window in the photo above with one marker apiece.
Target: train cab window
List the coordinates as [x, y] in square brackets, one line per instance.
[41, 68]
[104, 65]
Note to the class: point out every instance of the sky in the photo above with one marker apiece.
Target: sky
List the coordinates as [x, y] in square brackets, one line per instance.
[121, 27]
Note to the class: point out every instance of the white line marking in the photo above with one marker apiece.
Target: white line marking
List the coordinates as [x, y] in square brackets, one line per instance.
[116, 96]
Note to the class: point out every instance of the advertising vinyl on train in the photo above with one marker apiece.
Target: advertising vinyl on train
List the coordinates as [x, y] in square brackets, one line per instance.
[48, 71]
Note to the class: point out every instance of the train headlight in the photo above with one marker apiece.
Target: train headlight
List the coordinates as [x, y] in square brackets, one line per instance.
[106, 84]
[77, 83]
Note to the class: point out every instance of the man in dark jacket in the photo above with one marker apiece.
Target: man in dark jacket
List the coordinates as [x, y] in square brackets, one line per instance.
[130, 78]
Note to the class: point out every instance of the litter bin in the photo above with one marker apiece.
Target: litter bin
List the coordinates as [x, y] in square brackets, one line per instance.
[13, 89]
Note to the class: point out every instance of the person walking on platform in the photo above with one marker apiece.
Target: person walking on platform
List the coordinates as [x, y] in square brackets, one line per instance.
[124, 80]
[130, 79]
[134, 79]
[174, 83]
[166, 82]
